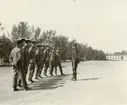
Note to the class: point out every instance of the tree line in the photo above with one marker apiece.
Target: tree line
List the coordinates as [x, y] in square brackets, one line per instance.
[50, 37]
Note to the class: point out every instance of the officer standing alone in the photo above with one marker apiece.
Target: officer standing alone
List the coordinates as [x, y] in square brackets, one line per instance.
[75, 61]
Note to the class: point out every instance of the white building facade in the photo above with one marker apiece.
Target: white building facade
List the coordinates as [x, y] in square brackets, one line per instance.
[114, 57]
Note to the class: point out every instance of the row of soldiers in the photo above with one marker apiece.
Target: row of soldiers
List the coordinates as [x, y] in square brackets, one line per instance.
[28, 55]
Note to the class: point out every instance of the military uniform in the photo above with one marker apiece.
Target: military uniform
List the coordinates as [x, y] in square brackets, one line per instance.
[52, 61]
[75, 61]
[26, 59]
[46, 61]
[24, 63]
[39, 62]
[58, 63]
[32, 63]
[16, 60]
[42, 63]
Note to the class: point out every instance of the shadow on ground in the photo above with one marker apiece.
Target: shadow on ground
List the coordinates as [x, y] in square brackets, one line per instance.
[87, 79]
[49, 83]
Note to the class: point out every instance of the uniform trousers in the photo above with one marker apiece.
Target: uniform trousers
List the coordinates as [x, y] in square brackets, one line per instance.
[18, 73]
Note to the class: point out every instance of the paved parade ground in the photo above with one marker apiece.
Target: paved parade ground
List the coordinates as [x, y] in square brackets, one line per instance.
[99, 83]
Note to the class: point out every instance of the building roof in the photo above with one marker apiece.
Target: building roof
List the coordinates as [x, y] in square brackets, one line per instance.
[116, 54]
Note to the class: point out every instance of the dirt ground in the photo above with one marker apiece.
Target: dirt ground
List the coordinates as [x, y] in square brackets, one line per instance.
[99, 83]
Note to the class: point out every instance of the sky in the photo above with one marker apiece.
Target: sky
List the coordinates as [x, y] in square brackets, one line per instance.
[100, 23]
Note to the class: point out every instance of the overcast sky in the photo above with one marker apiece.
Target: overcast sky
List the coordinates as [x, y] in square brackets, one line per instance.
[100, 23]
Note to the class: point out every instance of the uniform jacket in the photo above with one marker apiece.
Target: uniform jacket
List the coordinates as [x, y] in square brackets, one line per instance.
[25, 51]
[15, 56]
[46, 56]
[57, 57]
[32, 52]
[53, 56]
[39, 56]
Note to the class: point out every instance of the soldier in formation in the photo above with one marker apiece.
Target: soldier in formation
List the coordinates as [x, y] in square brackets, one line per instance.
[29, 58]
[46, 60]
[16, 58]
[58, 62]
[52, 61]
[39, 61]
[32, 62]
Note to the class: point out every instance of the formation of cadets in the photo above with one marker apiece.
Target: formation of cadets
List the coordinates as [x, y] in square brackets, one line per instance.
[28, 55]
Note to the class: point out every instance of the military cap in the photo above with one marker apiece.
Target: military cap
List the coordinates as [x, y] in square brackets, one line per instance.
[18, 41]
[38, 45]
[22, 39]
[33, 41]
[27, 40]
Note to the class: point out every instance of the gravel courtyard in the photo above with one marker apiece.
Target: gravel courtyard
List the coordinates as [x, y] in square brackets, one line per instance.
[99, 83]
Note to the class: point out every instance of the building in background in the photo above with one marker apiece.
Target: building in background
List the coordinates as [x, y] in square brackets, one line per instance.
[116, 57]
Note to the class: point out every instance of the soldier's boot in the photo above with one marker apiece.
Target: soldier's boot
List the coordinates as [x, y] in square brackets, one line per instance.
[51, 72]
[15, 89]
[75, 74]
[45, 71]
[72, 74]
[27, 88]
[30, 78]
[61, 71]
[36, 74]
[30, 75]
[39, 75]
[19, 83]
[74, 78]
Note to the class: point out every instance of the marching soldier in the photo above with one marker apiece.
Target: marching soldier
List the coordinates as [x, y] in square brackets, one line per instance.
[75, 61]
[46, 60]
[16, 60]
[32, 62]
[52, 61]
[58, 62]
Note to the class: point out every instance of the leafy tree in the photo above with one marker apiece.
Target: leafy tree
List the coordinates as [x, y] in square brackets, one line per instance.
[5, 48]
[21, 30]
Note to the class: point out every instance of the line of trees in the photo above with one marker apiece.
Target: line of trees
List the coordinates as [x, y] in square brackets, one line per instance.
[23, 30]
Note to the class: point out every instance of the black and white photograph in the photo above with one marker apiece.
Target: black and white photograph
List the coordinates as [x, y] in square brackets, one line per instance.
[63, 52]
